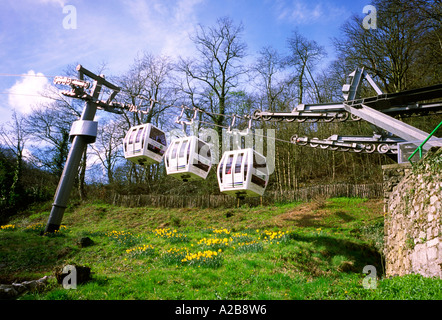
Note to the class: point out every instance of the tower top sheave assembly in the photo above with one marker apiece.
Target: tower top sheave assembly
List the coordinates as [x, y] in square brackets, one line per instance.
[379, 111]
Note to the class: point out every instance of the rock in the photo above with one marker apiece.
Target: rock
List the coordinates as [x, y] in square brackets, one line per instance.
[12, 291]
[83, 274]
[85, 242]
[7, 292]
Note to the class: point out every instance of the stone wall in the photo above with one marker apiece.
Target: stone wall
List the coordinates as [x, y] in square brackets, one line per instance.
[413, 217]
[392, 175]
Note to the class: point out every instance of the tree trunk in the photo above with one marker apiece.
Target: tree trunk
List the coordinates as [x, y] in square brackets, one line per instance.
[81, 176]
[13, 196]
[301, 87]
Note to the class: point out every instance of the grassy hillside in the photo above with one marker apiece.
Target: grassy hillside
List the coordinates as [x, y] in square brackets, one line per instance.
[314, 250]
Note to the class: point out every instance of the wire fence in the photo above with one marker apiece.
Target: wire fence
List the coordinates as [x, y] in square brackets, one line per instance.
[371, 191]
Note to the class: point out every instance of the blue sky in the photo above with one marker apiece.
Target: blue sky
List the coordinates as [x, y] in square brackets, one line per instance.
[34, 41]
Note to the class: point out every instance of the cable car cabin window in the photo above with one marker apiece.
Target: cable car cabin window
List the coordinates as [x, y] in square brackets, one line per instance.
[229, 164]
[258, 161]
[174, 150]
[157, 136]
[238, 163]
[259, 181]
[202, 166]
[202, 150]
[140, 131]
[131, 137]
[188, 152]
[183, 149]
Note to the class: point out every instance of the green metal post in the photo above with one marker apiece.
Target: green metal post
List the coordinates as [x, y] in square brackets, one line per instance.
[423, 143]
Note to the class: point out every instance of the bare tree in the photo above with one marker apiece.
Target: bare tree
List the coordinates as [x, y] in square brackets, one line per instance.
[149, 80]
[270, 80]
[216, 71]
[150, 77]
[49, 126]
[391, 52]
[304, 56]
[108, 146]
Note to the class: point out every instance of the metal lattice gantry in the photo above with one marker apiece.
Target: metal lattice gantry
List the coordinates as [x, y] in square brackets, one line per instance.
[379, 111]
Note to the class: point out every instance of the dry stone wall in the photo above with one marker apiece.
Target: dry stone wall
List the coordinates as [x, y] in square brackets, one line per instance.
[413, 217]
[393, 174]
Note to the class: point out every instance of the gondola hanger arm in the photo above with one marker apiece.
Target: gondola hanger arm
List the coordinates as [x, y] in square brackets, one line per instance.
[179, 119]
[232, 123]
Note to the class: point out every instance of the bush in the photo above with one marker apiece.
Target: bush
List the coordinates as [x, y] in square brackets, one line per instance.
[374, 234]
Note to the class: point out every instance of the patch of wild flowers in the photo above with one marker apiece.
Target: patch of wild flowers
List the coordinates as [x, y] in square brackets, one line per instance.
[223, 232]
[171, 235]
[240, 237]
[56, 233]
[122, 238]
[210, 250]
[174, 255]
[214, 243]
[274, 236]
[40, 226]
[8, 227]
[208, 258]
[145, 250]
[35, 227]
[247, 247]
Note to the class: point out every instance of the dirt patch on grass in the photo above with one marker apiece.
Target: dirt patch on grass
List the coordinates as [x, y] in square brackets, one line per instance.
[317, 214]
[304, 215]
[375, 207]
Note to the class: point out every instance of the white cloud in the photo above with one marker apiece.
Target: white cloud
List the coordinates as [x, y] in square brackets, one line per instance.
[59, 2]
[27, 92]
[305, 12]
[166, 24]
[27, 154]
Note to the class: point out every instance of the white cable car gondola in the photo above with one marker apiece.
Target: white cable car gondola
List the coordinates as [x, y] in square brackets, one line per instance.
[243, 173]
[144, 144]
[188, 158]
